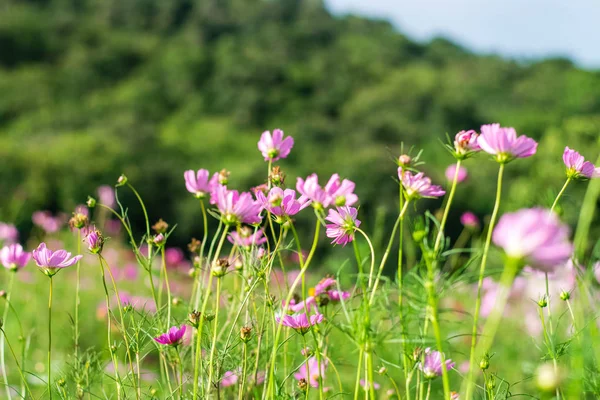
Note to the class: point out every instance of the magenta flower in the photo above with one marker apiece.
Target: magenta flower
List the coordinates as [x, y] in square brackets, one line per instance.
[301, 323]
[229, 378]
[173, 337]
[324, 285]
[106, 194]
[51, 261]
[337, 295]
[535, 236]
[246, 237]
[13, 257]
[341, 193]
[301, 306]
[199, 184]
[282, 203]
[311, 189]
[343, 223]
[94, 240]
[237, 208]
[418, 186]
[46, 221]
[469, 220]
[309, 371]
[451, 171]
[275, 147]
[8, 233]
[577, 167]
[432, 364]
[465, 144]
[504, 144]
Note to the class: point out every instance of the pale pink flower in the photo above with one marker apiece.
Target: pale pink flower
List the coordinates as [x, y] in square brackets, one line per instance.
[311, 189]
[8, 233]
[46, 221]
[301, 323]
[504, 144]
[199, 183]
[14, 257]
[310, 371]
[51, 261]
[577, 167]
[535, 236]
[417, 186]
[273, 147]
[237, 207]
[343, 224]
[229, 378]
[465, 143]
[341, 193]
[247, 237]
[451, 172]
[432, 364]
[282, 203]
[106, 195]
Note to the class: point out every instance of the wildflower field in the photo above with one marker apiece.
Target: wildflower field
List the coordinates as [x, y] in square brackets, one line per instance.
[504, 310]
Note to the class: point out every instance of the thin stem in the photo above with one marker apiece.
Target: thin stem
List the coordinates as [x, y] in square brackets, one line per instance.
[164, 268]
[244, 367]
[18, 366]
[429, 384]
[358, 374]
[511, 268]
[4, 317]
[486, 249]
[77, 288]
[214, 338]
[560, 193]
[50, 338]
[180, 373]
[440, 235]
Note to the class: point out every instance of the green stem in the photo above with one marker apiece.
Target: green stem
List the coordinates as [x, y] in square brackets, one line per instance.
[560, 193]
[50, 339]
[164, 268]
[511, 267]
[18, 366]
[180, 373]
[77, 288]
[4, 317]
[214, 338]
[303, 267]
[109, 328]
[486, 249]
[244, 367]
[358, 374]
[440, 235]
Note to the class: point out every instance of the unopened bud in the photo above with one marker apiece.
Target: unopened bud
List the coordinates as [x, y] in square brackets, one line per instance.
[564, 295]
[159, 239]
[543, 302]
[91, 202]
[404, 160]
[219, 268]
[122, 180]
[3, 294]
[302, 385]
[224, 177]
[194, 318]
[382, 371]
[176, 301]
[419, 235]
[484, 364]
[209, 317]
[194, 245]
[245, 333]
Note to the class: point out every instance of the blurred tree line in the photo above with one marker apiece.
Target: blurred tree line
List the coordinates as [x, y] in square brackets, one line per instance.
[93, 88]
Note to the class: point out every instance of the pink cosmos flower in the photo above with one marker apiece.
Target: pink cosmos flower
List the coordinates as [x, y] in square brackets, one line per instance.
[8, 233]
[324, 285]
[469, 220]
[106, 195]
[365, 385]
[301, 323]
[51, 261]
[237, 207]
[465, 142]
[311, 189]
[504, 144]
[199, 184]
[301, 306]
[338, 295]
[247, 237]
[173, 337]
[13, 257]
[309, 371]
[343, 222]
[282, 203]
[451, 171]
[417, 186]
[341, 193]
[536, 236]
[273, 147]
[577, 167]
[229, 378]
[46, 221]
[432, 364]
[174, 257]
[94, 240]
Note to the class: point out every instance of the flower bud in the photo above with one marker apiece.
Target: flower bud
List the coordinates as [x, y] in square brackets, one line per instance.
[219, 268]
[194, 318]
[122, 180]
[417, 353]
[160, 226]
[564, 295]
[484, 363]
[543, 302]
[277, 176]
[224, 177]
[78, 220]
[245, 333]
[159, 239]
[176, 301]
[419, 235]
[91, 202]
[382, 371]
[209, 317]
[94, 240]
[404, 160]
[491, 383]
[3, 294]
[61, 382]
[302, 385]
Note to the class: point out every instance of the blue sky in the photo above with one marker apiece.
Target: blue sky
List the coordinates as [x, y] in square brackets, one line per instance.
[523, 29]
